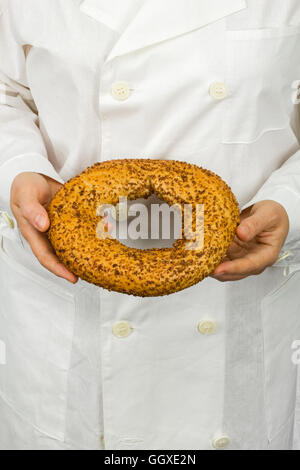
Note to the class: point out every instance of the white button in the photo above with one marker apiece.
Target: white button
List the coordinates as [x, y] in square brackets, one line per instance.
[7, 219]
[122, 329]
[221, 443]
[120, 91]
[207, 327]
[218, 91]
[120, 212]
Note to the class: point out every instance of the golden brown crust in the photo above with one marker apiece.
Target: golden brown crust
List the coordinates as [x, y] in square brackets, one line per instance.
[146, 273]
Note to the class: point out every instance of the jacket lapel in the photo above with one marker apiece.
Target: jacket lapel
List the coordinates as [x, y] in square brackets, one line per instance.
[115, 14]
[145, 22]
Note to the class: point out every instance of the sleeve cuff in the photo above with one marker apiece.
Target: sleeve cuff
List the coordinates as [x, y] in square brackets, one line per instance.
[24, 163]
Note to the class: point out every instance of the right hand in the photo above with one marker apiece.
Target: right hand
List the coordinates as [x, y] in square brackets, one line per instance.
[30, 195]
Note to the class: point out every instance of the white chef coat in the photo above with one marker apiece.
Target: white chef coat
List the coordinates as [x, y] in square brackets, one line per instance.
[207, 82]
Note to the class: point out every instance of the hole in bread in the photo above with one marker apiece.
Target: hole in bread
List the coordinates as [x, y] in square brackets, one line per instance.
[143, 223]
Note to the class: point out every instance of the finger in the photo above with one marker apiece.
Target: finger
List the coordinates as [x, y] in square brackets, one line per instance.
[259, 220]
[253, 263]
[35, 214]
[42, 249]
[27, 206]
[250, 227]
[29, 196]
[227, 277]
[108, 226]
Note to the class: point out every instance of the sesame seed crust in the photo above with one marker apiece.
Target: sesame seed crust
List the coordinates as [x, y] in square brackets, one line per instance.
[145, 273]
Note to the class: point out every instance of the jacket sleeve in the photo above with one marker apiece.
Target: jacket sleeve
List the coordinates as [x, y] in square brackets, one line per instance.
[283, 186]
[21, 144]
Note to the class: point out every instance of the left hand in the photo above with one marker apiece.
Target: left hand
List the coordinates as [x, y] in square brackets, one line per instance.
[257, 244]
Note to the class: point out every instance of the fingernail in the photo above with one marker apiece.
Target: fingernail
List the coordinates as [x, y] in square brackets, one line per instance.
[40, 221]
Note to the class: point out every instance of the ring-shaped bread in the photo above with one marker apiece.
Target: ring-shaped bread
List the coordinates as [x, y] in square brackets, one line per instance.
[74, 217]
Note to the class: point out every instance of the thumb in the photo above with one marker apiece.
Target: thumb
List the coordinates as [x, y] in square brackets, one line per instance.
[35, 214]
[253, 225]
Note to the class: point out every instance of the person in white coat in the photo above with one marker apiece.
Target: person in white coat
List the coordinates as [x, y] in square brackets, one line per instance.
[210, 82]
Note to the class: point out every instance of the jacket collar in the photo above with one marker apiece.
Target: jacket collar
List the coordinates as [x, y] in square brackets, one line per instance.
[145, 22]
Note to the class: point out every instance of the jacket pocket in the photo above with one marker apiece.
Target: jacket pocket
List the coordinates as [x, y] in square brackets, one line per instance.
[262, 65]
[280, 312]
[36, 326]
